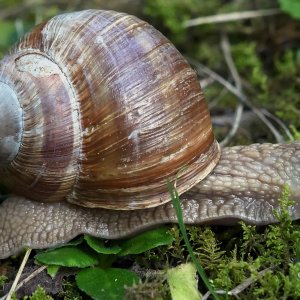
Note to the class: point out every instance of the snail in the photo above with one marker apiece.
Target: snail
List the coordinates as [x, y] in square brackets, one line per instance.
[98, 110]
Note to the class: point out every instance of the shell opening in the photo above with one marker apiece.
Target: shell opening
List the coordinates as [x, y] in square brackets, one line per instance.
[11, 124]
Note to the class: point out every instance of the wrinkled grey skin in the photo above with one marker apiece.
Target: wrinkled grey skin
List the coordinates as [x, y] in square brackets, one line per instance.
[245, 185]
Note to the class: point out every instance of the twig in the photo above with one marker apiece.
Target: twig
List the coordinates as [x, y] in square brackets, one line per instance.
[236, 123]
[270, 115]
[214, 102]
[14, 285]
[235, 16]
[203, 69]
[279, 122]
[225, 46]
[239, 110]
[239, 288]
[206, 81]
[31, 276]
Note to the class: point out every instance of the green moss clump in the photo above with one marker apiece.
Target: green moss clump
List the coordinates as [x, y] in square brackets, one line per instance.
[295, 133]
[70, 291]
[170, 14]
[249, 64]
[3, 279]
[265, 257]
[153, 287]
[39, 294]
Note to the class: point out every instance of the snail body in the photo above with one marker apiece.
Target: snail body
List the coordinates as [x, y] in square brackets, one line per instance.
[99, 110]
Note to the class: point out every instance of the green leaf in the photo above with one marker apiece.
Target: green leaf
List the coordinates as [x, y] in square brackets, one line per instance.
[68, 257]
[292, 7]
[147, 240]
[105, 283]
[52, 270]
[99, 246]
[176, 204]
[183, 283]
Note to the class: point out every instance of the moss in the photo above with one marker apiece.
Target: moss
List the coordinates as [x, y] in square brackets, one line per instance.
[272, 250]
[279, 285]
[295, 133]
[171, 14]
[249, 64]
[153, 287]
[206, 247]
[3, 279]
[234, 255]
[70, 291]
[39, 294]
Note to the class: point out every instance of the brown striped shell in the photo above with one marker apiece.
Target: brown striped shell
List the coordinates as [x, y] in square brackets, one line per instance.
[110, 112]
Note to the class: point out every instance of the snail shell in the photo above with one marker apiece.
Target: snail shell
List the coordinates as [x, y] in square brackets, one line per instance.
[99, 109]
[104, 110]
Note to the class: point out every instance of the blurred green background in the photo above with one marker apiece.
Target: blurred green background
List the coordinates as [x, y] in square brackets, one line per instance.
[265, 51]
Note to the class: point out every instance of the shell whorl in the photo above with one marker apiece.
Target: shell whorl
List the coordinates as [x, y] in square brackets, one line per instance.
[111, 110]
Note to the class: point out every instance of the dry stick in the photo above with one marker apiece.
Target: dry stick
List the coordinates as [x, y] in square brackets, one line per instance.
[31, 276]
[214, 102]
[239, 110]
[230, 63]
[13, 287]
[225, 45]
[279, 122]
[203, 69]
[239, 288]
[271, 116]
[23, 282]
[204, 82]
[235, 16]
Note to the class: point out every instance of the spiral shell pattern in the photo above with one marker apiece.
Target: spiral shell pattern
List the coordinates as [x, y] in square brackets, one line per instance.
[111, 111]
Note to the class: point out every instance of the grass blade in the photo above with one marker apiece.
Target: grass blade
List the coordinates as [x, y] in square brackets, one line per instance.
[176, 204]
